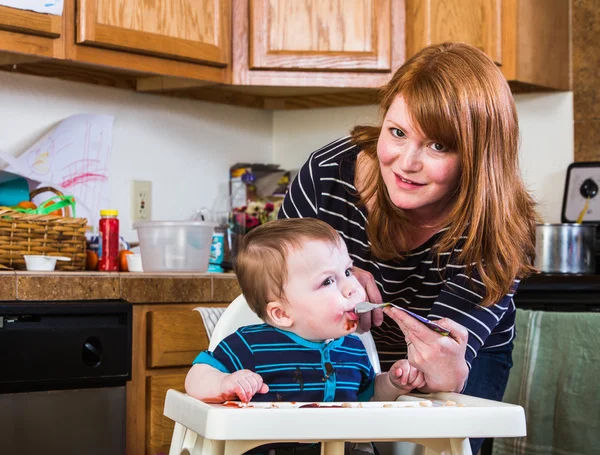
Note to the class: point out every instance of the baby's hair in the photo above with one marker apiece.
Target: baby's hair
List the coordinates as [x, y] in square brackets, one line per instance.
[261, 262]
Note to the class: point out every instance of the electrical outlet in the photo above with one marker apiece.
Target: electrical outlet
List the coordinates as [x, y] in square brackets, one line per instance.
[141, 200]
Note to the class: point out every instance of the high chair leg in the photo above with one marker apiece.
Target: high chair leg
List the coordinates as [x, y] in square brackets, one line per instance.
[186, 442]
[332, 448]
[457, 446]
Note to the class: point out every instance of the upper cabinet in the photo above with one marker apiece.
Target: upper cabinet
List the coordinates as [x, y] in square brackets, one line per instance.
[321, 35]
[280, 54]
[176, 38]
[528, 39]
[29, 34]
[187, 30]
[317, 43]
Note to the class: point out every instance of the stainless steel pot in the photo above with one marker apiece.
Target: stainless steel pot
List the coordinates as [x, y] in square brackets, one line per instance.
[565, 248]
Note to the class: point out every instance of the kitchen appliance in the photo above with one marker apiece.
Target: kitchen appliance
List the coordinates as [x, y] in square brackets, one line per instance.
[569, 247]
[63, 375]
[565, 248]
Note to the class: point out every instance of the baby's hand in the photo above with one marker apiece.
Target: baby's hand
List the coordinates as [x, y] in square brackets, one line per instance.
[242, 384]
[405, 377]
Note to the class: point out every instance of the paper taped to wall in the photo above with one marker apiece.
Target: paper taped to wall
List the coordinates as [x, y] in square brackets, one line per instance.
[54, 7]
[73, 158]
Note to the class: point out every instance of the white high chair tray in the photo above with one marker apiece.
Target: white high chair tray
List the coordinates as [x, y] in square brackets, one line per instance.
[411, 417]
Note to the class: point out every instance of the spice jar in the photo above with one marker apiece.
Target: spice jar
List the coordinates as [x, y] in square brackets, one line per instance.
[108, 245]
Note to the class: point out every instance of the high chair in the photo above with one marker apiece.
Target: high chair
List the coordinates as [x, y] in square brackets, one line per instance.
[441, 422]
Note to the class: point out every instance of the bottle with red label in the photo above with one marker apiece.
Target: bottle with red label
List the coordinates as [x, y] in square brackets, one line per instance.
[108, 245]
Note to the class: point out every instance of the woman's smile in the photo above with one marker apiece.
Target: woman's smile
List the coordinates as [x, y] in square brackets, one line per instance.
[407, 184]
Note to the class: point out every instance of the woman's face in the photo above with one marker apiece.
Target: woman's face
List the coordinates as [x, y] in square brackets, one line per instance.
[420, 174]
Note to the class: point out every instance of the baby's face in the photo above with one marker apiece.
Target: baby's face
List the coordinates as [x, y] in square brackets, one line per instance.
[322, 291]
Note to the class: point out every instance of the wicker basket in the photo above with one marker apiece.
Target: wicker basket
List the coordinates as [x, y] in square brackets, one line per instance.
[48, 235]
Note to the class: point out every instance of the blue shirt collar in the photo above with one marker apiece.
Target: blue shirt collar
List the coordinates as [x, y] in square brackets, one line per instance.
[320, 345]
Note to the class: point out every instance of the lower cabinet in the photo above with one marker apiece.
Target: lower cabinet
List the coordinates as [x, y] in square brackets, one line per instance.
[166, 339]
[160, 428]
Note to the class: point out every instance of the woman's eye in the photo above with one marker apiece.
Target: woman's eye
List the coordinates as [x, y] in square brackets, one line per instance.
[396, 132]
[349, 272]
[438, 147]
[327, 282]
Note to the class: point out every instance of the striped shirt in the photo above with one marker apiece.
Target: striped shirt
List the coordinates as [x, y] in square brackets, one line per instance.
[296, 369]
[324, 189]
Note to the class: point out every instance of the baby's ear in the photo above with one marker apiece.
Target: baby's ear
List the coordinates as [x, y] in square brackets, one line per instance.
[278, 315]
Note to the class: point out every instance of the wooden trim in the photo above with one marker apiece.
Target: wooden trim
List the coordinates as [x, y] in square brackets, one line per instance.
[262, 57]
[85, 20]
[148, 43]
[17, 59]
[163, 83]
[242, 74]
[135, 440]
[30, 22]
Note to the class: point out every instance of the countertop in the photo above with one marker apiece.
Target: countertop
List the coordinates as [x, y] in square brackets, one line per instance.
[129, 287]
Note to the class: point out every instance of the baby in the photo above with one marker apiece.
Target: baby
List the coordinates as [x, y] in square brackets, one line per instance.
[296, 275]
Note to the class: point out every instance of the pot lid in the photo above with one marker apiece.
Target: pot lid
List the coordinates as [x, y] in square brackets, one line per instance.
[583, 181]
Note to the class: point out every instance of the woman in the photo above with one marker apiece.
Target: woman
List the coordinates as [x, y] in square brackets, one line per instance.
[435, 215]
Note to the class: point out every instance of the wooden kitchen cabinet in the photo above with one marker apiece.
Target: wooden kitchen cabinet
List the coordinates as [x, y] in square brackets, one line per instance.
[528, 39]
[188, 30]
[316, 43]
[166, 339]
[26, 36]
[175, 38]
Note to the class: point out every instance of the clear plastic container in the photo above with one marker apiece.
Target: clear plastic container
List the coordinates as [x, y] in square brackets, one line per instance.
[175, 246]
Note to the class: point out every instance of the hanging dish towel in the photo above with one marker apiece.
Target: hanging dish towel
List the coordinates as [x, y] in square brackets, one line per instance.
[210, 316]
[555, 378]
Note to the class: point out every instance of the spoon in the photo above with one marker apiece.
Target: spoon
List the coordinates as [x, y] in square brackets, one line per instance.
[365, 307]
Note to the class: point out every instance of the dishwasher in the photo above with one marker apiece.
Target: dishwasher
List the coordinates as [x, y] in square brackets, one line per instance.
[63, 371]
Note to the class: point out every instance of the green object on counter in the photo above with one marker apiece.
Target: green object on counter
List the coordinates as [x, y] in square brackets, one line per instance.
[555, 378]
[59, 202]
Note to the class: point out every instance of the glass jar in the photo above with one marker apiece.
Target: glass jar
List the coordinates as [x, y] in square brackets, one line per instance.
[108, 244]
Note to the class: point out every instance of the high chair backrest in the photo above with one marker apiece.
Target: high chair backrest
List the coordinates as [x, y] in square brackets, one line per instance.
[239, 314]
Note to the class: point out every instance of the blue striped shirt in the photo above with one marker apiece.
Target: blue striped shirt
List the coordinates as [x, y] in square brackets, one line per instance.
[296, 369]
[324, 189]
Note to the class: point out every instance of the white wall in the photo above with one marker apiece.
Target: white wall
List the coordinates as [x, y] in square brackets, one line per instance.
[184, 147]
[546, 122]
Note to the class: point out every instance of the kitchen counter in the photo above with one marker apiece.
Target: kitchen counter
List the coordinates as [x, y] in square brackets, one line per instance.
[130, 287]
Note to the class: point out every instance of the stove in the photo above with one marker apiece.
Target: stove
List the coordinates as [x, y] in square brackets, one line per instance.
[559, 292]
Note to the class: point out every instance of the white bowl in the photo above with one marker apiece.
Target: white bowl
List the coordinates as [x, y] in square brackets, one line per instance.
[134, 262]
[40, 263]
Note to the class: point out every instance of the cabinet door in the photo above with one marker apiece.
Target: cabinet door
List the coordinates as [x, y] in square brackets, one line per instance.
[28, 32]
[160, 428]
[175, 337]
[477, 22]
[188, 30]
[349, 35]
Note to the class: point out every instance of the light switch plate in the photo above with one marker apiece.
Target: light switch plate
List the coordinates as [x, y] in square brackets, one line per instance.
[141, 200]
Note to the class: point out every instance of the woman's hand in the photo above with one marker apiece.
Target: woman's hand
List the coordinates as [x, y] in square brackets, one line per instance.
[374, 317]
[440, 358]
[243, 384]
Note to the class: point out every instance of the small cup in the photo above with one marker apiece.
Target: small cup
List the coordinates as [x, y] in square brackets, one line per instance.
[134, 262]
[39, 263]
